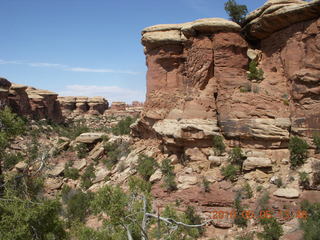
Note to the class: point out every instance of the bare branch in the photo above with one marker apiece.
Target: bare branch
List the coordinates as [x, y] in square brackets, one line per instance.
[174, 222]
[144, 220]
[129, 234]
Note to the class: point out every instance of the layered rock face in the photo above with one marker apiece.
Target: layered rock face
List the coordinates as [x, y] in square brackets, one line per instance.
[73, 106]
[30, 102]
[42, 104]
[289, 36]
[197, 84]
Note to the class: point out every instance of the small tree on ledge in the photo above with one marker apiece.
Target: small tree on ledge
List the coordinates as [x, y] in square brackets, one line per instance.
[237, 12]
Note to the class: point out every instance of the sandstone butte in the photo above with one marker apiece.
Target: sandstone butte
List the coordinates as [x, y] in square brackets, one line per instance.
[197, 84]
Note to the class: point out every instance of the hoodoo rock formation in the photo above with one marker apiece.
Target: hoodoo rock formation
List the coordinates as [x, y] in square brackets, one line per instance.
[72, 106]
[197, 84]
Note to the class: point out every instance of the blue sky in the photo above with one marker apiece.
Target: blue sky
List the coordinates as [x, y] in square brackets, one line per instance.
[88, 47]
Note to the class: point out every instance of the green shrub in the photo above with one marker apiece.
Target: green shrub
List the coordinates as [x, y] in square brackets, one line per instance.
[137, 184]
[77, 204]
[236, 12]
[316, 174]
[316, 142]
[259, 188]
[25, 219]
[193, 219]
[237, 157]
[248, 193]
[247, 236]
[82, 232]
[239, 219]
[71, 173]
[298, 151]
[111, 154]
[146, 166]
[87, 177]
[255, 89]
[82, 150]
[65, 192]
[218, 146]
[311, 221]
[304, 180]
[23, 186]
[272, 229]
[263, 201]
[11, 159]
[71, 130]
[11, 124]
[230, 172]
[114, 152]
[169, 175]
[286, 102]
[123, 126]
[33, 149]
[255, 73]
[247, 87]
[206, 185]
[278, 182]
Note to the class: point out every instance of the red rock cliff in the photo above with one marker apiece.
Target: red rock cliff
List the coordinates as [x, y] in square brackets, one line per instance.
[197, 84]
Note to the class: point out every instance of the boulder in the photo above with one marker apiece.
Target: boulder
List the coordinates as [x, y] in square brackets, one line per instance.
[255, 162]
[287, 193]
[254, 54]
[213, 175]
[257, 176]
[186, 181]
[61, 146]
[216, 161]
[80, 164]
[184, 131]
[53, 183]
[96, 152]
[56, 170]
[275, 15]
[101, 174]
[21, 166]
[194, 154]
[90, 138]
[156, 176]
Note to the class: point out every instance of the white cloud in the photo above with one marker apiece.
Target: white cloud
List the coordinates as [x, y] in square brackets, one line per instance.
[111, 93]
[43, 64]
[9, 62]
[90, 70]
[68, 68]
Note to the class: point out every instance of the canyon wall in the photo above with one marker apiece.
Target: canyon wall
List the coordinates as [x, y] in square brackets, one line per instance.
[42, 104]
[197, 84]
